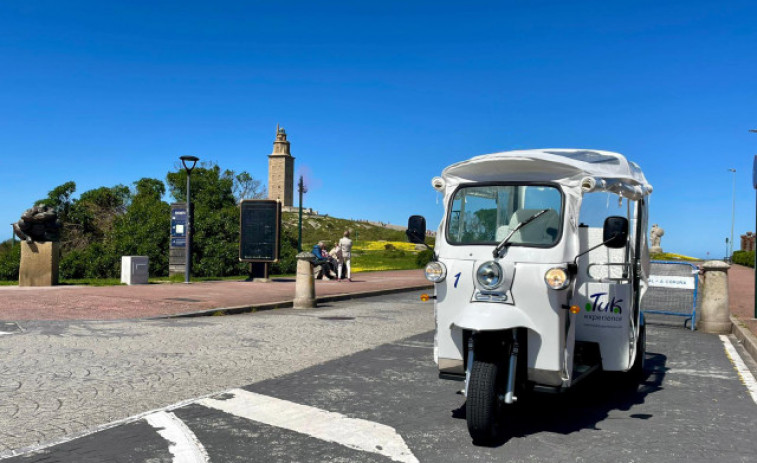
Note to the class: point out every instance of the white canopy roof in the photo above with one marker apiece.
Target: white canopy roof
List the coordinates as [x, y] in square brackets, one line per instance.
[591, 170]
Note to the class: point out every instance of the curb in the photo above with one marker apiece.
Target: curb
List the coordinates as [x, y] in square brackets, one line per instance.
[745, 337]
[287, 304]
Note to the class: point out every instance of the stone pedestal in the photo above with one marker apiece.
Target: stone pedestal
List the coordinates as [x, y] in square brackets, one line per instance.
[716, 314]
[39, 263]
[304, 288]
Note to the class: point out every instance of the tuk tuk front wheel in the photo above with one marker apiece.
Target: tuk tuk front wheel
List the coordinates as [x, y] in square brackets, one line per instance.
[484, 406]
[637, 370]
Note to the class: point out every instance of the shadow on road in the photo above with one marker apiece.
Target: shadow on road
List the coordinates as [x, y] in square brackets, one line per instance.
[583, 406]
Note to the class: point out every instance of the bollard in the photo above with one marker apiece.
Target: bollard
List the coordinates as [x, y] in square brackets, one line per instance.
[304, 288]
[716, 314]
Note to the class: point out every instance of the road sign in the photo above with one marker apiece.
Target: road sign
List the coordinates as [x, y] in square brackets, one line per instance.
[259, 230]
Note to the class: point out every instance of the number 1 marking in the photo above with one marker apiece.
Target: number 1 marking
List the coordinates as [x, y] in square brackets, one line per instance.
[457, 278]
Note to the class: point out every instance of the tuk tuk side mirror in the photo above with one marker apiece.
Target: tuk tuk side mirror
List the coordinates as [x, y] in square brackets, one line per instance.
[615, 232]
[416, 229]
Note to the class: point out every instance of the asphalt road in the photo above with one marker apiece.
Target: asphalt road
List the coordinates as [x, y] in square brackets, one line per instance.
[353, 382]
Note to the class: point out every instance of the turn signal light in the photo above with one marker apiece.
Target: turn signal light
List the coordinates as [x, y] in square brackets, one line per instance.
[574, 309]
[424, 297]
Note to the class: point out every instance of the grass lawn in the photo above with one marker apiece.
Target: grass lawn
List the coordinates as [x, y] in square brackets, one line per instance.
[669, 256]
[367, 256]
[370, 261]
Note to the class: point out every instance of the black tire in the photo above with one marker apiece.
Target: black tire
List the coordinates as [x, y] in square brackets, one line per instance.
[637, 370]
[483, 408]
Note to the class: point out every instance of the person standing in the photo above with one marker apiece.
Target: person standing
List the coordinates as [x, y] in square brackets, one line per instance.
[345, 245]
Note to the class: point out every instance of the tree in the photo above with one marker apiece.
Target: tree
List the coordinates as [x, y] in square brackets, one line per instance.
[143, 230]
[90, 218]
[215, 227]
[246, 187]
[60, 198]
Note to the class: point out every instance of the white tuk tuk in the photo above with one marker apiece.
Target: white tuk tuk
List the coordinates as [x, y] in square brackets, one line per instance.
[539, 267]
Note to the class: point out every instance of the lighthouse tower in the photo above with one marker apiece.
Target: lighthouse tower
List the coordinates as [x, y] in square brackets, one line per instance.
[281, 170]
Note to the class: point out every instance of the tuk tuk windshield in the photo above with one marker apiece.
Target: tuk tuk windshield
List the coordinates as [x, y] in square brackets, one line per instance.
[487, 215]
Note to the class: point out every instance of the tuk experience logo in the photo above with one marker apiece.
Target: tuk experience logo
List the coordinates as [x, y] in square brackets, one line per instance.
[608, 311]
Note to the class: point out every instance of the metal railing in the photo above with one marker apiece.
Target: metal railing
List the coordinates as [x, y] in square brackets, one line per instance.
[672, 290]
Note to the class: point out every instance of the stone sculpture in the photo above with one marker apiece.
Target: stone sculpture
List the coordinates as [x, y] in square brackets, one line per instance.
[38, 224]
[655, 235]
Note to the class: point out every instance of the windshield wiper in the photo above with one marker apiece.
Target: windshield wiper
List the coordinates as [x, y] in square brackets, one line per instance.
[505, 241]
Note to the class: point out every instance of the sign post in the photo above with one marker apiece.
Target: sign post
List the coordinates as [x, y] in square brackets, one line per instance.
[259, 234]
[178, 245]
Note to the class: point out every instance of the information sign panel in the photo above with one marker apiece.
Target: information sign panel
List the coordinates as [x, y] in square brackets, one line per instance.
[178, 221]
[259, 230]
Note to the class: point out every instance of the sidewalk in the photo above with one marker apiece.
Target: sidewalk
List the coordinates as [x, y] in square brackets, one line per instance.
[741, 302]
[172, 299]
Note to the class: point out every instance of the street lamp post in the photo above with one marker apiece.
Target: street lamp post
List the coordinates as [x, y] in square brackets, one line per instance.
[301, 189]
[188, 243]
[733, 211]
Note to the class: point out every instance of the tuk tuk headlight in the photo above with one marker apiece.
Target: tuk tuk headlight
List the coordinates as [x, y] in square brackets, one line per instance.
[489, 275]
[435, 272]
[557, 278]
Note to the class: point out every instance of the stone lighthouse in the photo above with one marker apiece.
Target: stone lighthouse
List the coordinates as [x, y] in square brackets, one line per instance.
[281, 170]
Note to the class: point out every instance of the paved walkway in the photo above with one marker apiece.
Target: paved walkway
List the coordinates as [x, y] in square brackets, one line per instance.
[158, 300]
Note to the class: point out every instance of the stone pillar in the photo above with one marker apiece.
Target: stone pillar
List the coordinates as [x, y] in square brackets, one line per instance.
[304, 288]
[39, 263]
[715, 312]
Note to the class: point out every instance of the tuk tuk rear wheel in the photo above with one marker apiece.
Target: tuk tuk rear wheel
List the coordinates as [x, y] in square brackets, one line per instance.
[483, 407]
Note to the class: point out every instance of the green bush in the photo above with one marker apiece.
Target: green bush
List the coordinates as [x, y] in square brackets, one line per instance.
[287, 263]
[94, 261]
[73, 265]
[424, 257]
[10, 260]
[744, 258]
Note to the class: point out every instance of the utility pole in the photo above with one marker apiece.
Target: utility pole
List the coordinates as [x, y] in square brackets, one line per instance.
[754, 183]
[729, 257]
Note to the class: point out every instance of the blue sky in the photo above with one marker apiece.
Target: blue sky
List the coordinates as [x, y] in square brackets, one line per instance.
[377, 98]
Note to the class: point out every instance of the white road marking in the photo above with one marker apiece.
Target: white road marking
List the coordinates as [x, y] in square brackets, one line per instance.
[702, 374]
[354, 433]
[88, 432]
[746, 376]
[184, 445]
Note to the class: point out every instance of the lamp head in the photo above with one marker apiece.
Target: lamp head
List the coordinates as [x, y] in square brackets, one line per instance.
[186, 159]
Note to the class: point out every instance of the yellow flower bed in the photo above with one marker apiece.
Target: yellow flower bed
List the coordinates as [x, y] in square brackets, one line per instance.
[381, 245]
[377, 268]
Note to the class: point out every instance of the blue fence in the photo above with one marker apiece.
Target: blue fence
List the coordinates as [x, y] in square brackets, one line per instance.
[672, 290]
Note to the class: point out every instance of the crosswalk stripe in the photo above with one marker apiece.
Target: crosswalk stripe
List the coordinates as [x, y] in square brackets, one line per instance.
[354, 433]
[183, 444]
